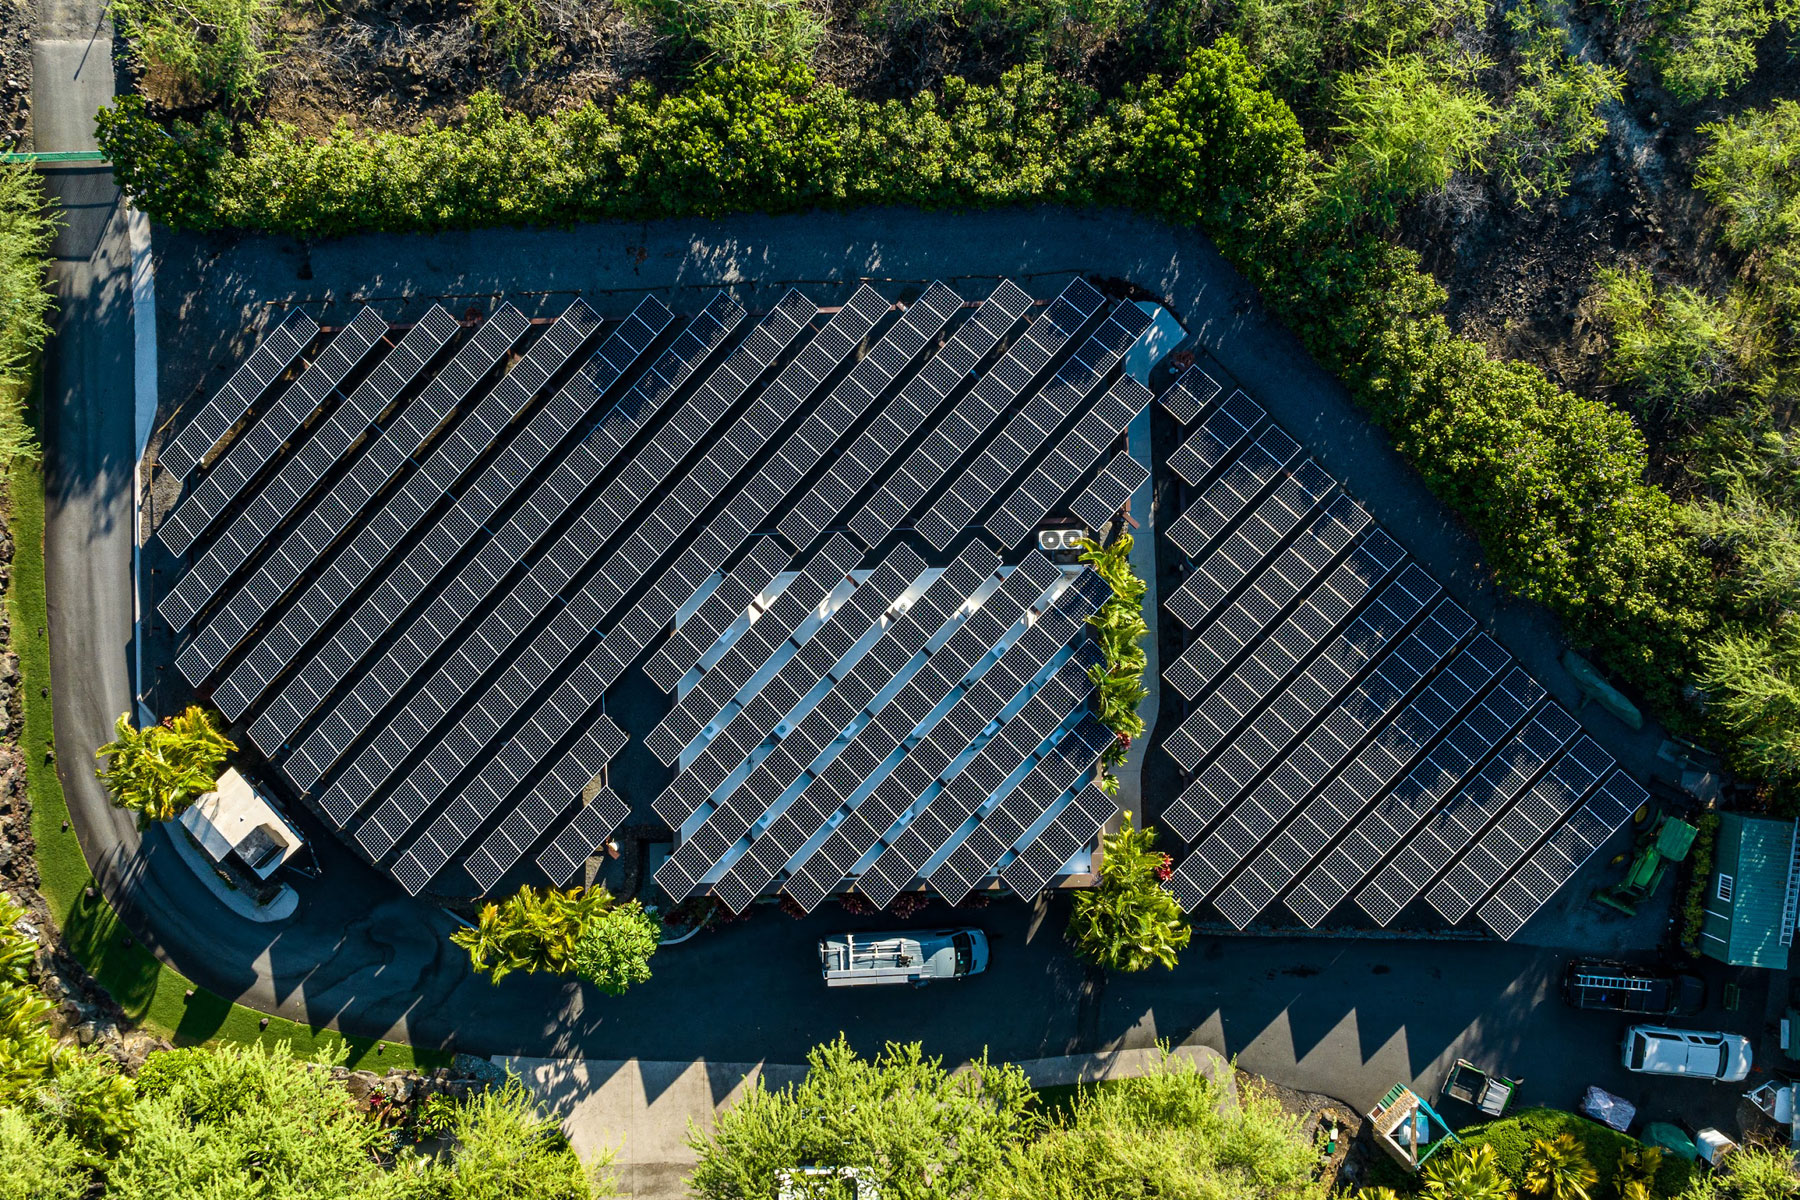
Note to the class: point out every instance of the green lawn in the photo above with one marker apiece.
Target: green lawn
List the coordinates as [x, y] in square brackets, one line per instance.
[150, 992]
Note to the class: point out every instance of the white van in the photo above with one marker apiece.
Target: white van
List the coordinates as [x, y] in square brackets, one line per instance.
[915, 956]
[1660, 1050]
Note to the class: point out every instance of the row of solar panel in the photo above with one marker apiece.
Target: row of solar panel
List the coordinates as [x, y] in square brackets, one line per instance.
[348, 425]
[1362, 779]
[581, 543]
[1019, 808]
[756, 794]
[246, 386]
[432, 852]
[941, 739]
[1357, 819]
[1079, 449]
[775, 629]
[949, 368]
[1029, 428]
[718, 612]
[352, 712]
[454, 455]
[1002, 755]
[834, 782]
[784, 695]
[254, 449]
[1110, 491]
[934, 829]
[1366, 841]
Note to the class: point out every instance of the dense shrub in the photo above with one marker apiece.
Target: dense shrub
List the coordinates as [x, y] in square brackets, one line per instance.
[615, 948]
[25, 232]
[38, 1163]
[901, 1121]
[1170, 1132]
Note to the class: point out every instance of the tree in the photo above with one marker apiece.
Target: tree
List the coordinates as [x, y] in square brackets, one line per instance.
[1465, 1173]
[1554, 115]
[615, 948]
[911, 1128]
[532, 931]
[1752, 680]
[507, 1150]
[1128, 921]
[1680, 352]
[1557, 1169]
[1171, 1132]
[161, 770]
[1707, 48]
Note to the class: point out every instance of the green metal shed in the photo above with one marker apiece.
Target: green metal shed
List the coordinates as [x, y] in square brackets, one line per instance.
[1750, 905]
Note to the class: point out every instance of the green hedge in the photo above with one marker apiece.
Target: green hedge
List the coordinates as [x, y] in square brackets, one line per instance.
[1553, 484]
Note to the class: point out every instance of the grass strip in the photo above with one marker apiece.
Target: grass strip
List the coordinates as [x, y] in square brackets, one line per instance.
[152, 993]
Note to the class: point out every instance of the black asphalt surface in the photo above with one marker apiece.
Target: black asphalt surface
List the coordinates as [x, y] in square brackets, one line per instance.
[1344, 1016]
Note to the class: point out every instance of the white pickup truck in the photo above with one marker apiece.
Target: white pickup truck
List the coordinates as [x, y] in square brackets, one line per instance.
[914, 956]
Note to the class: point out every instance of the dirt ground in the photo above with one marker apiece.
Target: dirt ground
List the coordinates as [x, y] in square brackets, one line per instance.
[17, 18]
[1347, 1164]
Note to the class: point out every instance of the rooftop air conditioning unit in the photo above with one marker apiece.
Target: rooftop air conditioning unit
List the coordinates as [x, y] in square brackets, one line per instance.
[1052, 540]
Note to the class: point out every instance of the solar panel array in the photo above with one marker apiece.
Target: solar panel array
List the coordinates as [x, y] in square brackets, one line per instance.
[1347, 729]
[448, 548]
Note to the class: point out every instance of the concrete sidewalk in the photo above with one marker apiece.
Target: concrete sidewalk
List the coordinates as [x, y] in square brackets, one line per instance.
[641, 1112]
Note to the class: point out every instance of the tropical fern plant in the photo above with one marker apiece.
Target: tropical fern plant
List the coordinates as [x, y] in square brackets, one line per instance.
[1120, 627]
[1557, 1169]
[533, 930]
[161, 770]
[1128, 922]
[27, 1051]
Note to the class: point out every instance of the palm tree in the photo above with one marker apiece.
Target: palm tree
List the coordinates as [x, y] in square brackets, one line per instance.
[1465, 1173]
[1557, 1169]
[1638, 1164]
[532, 931]
[161, 770]
[1128, 921]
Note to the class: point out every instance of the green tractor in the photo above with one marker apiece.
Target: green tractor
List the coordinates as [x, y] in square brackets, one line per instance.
[1662, 840]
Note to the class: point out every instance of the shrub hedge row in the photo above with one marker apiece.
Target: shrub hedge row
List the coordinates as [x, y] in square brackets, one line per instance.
[1553, 484]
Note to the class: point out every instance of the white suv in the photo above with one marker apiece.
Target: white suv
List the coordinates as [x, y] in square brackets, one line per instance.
[1659, 1050]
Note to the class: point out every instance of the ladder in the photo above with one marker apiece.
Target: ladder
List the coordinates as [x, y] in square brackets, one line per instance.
[1615, 983]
